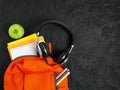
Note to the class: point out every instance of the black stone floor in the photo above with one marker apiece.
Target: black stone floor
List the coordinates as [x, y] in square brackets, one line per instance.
[95, 61]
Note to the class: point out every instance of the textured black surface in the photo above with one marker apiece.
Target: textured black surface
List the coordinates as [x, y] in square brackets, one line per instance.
[95, 24]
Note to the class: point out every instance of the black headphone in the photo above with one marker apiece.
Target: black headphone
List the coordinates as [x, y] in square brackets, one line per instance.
[63, 57]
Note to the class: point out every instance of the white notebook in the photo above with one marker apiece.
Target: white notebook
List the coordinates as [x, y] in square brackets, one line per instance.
[24, 47]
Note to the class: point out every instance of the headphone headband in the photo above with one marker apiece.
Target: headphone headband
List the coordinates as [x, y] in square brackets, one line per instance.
[60, 24]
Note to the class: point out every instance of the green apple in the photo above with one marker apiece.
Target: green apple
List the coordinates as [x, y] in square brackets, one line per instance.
[16, 31]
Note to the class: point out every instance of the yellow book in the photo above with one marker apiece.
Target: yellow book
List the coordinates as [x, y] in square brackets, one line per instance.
[23, 47]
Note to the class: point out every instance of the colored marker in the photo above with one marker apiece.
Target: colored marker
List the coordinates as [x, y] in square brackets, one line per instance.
[62, 76]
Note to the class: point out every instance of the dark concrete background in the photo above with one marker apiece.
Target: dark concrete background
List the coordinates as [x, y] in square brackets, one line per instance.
[95, 61]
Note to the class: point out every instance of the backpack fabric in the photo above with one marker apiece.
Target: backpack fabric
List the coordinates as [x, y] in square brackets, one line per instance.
[33, 73]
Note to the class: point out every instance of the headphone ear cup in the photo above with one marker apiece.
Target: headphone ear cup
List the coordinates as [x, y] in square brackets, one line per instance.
[44, 49]
[63, 57]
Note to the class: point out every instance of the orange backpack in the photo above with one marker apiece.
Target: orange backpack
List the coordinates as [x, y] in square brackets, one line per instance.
[33, 73]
